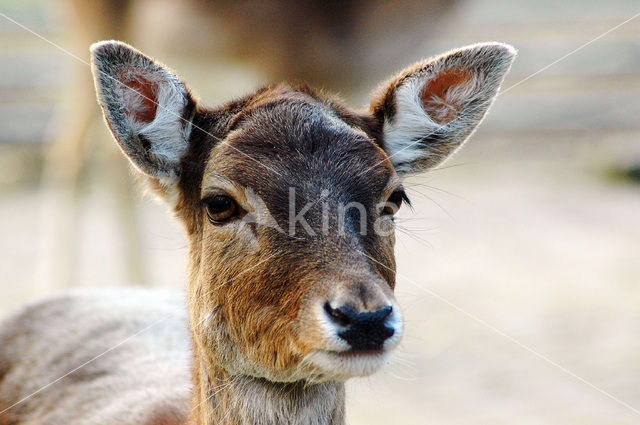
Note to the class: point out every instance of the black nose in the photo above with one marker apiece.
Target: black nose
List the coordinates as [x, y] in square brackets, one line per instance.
[362, 330]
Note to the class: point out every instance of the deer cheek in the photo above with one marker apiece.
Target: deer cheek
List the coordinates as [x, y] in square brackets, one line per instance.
[269, 342]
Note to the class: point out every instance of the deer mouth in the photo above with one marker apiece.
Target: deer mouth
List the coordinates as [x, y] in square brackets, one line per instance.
[357, 353]
[342, 365]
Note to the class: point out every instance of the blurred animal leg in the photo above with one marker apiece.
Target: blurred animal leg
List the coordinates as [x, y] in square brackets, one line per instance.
[66, 158]
[63, 164]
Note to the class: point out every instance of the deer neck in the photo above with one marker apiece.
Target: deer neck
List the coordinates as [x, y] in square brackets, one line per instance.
[221, 399]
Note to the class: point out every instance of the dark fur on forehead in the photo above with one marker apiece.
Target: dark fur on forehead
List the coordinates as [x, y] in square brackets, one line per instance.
[287, 109]
[298, 130]
[301, 92]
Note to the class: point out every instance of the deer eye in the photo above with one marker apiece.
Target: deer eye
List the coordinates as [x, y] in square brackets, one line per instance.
[220, 208]
[394, 202]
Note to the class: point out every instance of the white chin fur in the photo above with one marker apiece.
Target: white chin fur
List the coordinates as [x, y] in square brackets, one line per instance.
[340, 366]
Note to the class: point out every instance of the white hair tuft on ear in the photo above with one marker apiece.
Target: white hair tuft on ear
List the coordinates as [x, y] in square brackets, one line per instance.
[429, 110]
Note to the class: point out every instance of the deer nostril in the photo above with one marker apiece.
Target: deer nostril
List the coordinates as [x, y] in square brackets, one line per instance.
[338, 315]
[379, 315]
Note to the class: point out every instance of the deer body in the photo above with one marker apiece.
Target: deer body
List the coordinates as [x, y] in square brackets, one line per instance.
[48, 339]
[287, 198]
[144, 381]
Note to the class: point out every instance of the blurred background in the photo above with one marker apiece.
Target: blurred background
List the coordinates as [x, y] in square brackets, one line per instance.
[519, 270]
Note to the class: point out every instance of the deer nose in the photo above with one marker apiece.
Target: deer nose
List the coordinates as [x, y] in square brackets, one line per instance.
[365, 330]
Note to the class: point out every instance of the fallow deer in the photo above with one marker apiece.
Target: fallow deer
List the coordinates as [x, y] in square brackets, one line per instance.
[290, 290]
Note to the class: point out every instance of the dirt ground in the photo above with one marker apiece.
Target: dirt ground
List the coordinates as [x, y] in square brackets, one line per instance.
[519, 268]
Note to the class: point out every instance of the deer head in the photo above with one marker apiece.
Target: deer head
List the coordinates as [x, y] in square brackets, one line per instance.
[288, 198]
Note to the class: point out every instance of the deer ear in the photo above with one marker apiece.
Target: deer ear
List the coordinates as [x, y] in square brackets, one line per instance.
[429, 110]
[147, 107]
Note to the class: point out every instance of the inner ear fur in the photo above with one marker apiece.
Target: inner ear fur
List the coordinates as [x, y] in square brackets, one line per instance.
[427, 111]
